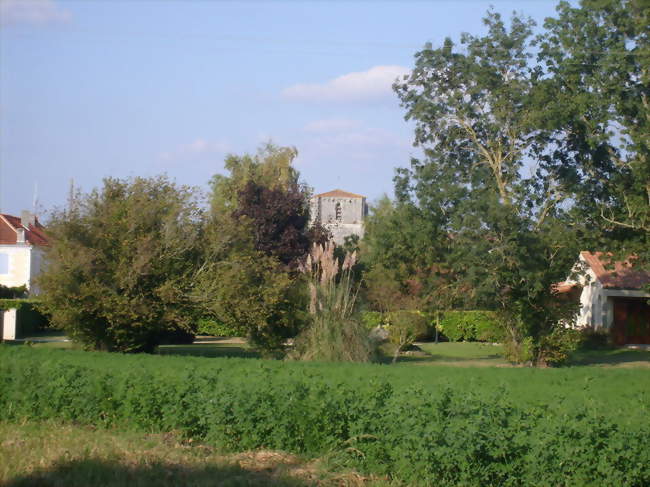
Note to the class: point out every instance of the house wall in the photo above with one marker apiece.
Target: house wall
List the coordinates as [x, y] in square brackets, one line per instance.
[20, 265]
[35, 269]
[597, 302]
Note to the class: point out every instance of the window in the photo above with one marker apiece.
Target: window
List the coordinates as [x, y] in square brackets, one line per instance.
[339, 214]
[4, 263]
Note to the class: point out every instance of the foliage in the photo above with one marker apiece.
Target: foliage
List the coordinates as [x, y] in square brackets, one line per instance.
[555, 348]
[596, 100]
[212, 327]
[404, 327]
[120, 264]
[334, 334]
[256, 236]
[507, 238]
[278, 219]
[439, 436]
[371, 319]
[12, 303]
[253, 293]
[594, 339]
[470, 326]
[13, 292]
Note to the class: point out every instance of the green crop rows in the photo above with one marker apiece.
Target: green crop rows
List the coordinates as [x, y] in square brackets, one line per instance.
[468, 428]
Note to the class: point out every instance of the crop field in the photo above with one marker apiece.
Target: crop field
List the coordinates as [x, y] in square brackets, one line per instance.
[419, 425]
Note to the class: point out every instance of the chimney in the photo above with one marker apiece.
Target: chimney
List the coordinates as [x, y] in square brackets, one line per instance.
[27, 218]
[20, 238]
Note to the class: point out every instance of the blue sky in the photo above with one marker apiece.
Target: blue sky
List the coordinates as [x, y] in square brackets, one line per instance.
[90, 89]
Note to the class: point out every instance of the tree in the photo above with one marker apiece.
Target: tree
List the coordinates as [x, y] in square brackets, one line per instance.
[596, 100]
[120, 264]
[257, 234]
[487, 178]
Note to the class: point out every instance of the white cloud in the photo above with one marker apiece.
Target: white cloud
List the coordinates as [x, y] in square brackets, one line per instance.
[34, 12]
[362, 85]
[197, 147]
[348, 140]
[331, 125]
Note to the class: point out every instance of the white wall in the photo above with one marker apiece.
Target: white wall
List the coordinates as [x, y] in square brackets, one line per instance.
[20, 265]
[9, 324]
[596, 302]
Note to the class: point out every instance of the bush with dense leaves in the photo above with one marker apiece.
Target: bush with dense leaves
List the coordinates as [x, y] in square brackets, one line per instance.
[471, 326]
[120, 264]
[417, 436]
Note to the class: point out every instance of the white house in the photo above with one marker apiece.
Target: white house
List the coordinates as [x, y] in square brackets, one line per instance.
[22, 242]
[340, 212]
[612, 297]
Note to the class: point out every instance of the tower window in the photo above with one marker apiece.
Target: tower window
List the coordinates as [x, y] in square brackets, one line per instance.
[339, 214]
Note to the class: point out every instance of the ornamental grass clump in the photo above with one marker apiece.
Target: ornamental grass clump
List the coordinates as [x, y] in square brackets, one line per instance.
[334, 334]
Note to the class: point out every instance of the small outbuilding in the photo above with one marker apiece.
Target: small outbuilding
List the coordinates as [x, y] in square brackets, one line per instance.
[613, 295]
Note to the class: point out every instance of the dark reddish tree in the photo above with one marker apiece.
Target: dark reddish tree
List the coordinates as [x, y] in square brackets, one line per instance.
[279, 220]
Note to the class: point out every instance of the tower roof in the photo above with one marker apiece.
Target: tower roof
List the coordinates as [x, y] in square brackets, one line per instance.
[338, 193]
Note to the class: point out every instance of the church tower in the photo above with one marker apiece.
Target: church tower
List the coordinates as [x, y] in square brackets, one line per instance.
[342, 213]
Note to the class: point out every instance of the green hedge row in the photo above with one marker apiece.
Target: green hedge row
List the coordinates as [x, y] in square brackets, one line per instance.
[207, 326]
[421, 438]
[471, 326]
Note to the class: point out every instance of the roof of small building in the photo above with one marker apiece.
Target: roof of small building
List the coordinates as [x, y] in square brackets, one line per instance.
[338, 193]
[616, 274]
[34, 233]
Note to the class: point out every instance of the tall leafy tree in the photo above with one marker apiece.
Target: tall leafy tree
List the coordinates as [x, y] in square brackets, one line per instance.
[256, 236]
[596, 100]
[487, 177]
[120, 264]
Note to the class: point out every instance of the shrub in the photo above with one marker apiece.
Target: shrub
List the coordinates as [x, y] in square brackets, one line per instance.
[591, 339]
[555, 347]
[13, 292]
[405, 327]
[120, 266]
[213, 327]
[371, 319]
[334, 334]
[470, 326]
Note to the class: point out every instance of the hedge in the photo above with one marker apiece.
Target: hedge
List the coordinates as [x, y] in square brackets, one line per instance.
[208, 326]
[415, 436]
[471, 326]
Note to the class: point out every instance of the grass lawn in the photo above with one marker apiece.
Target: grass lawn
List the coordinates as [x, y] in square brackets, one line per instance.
[453, 354]
[212, 347]
[462, 354]
[51, 454]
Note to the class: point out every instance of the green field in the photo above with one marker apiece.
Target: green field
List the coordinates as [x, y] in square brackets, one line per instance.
[449, 413]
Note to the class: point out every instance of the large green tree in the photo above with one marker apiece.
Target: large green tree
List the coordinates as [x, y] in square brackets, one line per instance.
[595, 98]
[120, 265]
[256, 235]
[487, 177]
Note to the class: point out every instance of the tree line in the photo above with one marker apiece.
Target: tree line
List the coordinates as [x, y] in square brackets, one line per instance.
[535, 145]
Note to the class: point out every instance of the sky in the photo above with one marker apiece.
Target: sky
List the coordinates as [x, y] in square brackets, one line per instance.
[120, 88]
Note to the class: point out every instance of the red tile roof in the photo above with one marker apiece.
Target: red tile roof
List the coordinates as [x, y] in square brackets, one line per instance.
[616, 274]
[339, 193]
[34, 233]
